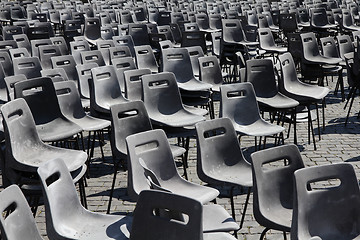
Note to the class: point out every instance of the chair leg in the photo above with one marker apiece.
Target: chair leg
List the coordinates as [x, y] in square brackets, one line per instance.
[351, 103]
[116, 165]
[318, 120]
[82, 193]
[245, 207]
[264, 233]
[311, 128]
[232, 203]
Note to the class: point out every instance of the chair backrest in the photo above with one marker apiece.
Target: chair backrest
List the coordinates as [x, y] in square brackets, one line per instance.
[6, 63]
[154, 149]
[195, 53]
[288, 22]
[326, 203]
[139, 33]
[127, 119]
[217, 148]
[310, 46]
[121, 65]
[10, 81]
[273, 182]
[328, 47]
[216, 43]
[289, 74]
[295, 45]
[35, 43]
[119, 52]
[345, 45]
[61, 43]
[232, 31]
[161, 94]
[66, 62]
[266, 39]
[318, 17]
[56, 74]
[347, 18]
[125, 17]
[125, 40]
[92, 29]
[260, 72]
[29, 66]
[105, 87]
[76, 47]
[9, 31]
[92, 56]
[84, 73]
[18, 53]
[215, 21]
[46, 52]
[147, 225]
[133, 83]
[177, 61]
[193, 38]
[18, 223]
[22, 41]
[210, 71]
[145, 58]
[202, 20]
[238, 103]
[58, 191]
[262, 21]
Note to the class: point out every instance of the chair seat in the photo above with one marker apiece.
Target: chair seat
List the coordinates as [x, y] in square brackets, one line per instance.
[195, 110]
[307, 93]
[194, 85]
[89, 123]
[304, 24]
[217, 219]
[258, 129]
[275, 49]
[180, 118]
[352, 28]
[326, 26]
[177, 151]
[278, 101]
[188, 189]
[323, 60]
[104, 107]
[57, 130]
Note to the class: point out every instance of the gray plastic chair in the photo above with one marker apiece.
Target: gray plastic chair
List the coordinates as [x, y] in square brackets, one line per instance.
[125, 40]
[162, 100]
[305, 94]
[22, 41]
[238, 103]
[35, 45]
[119, 52]
[170, 226]
[267, 42]
[66, 62]
[51, 124]
[61, 43]
[149, 152]
[145, 58]
[84, 74]
[121, 65]
[220, 160]
[133, 83]
[28, 66]
[76, 47]
[56, 74]
[210, 72]
[18, 223]
[92, 56]
[347, 21]
[10, 81]
[273, 191]
[177, 61]
[92, 31]
[66, 218]
[18, 53]
[105, 90]
[127, 119]
[46, 52]
[195, 53]
[326, 212]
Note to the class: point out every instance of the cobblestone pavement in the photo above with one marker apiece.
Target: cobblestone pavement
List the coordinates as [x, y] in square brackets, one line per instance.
[338, 144]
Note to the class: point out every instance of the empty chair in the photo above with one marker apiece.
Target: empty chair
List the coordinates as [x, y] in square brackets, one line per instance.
[76, 47]
[92, 30]
[274, 186]
[62, 205]
[267, 42]
[202, 20]
[125, 17]
[195, 53]
[56, 74]
[66, 62]
[22, 41]
[119, 52]
[346, 47]
[162, 100]
[92, 56]
[125, 40]
[6, 63]
[238, 103]
[220, 160]
[124, 125]
[51, 124]
[46, 52]
[84, 74]
[15, 204]
[330, 211]
[210, 72]
[61, 43]
[139, 33]
[133, 83]
[121, 65]
[319, 21]
[35, 43]
[177, 61]
[105, 90]
[157, 227]
[348, 21]
[18, 53]
[9, 31]
[10, 81]
[145, 58]
[29, 66]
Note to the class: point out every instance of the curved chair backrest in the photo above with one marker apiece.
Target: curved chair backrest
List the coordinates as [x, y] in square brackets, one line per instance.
[310, 46]
[127, 119]
[121, 65]
[266, 39]
[66, 62]
[202, 21]
[145, 58]
[105, 86]
[58, 191]
[35, 45]
[161, 94]
[119, 52]
[29, 66]
[6, 63]
[347, 18]
[133, 83]
[139, 33]
[125, 40]
[328, 47]
[262, 21]
[61, 43]
[195, 53]
[177, 61]
[92, 29]
[18, 53]
[76, 47]
[273, 171]
[210, 71]
[345, 45]
[260, 72]
[46, 52]
[318, 17]
[22, 41]
[125, 17]
[238, 103]
[20, 132]
[147, 225]
[56, 74]
[232, 31]
[92, 56]
[84, 74]
[10, 81]
[18, 223]
[327, 200]
[217, 148]
[153, 148]
[289, 74]
[215, 21]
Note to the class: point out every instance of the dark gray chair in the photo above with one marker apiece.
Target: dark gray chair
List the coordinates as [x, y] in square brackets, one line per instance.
[329, 211]
[273, 176]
